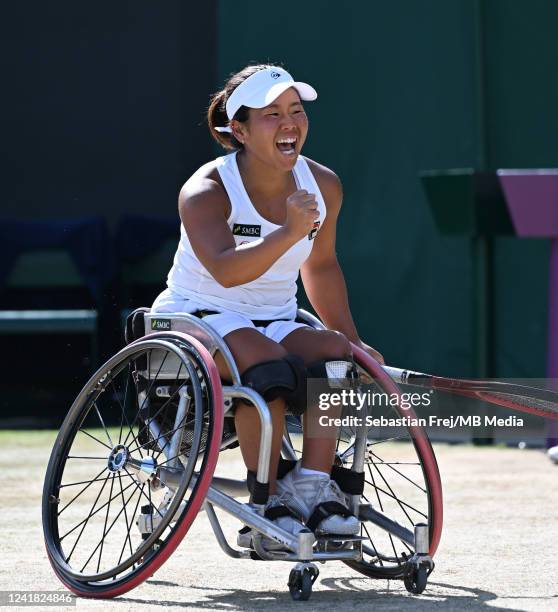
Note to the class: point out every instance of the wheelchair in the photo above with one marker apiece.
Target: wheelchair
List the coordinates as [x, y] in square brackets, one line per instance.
[134, 461]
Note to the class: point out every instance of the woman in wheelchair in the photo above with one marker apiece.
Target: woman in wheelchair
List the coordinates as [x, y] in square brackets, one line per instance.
[251, 221]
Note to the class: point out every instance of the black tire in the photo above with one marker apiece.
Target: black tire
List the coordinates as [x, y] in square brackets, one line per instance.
[300, 584]
[415, 580]
[89, 436]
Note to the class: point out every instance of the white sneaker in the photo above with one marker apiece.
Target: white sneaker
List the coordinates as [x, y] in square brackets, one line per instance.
[288, 523]
[553, 453]
[305, 493]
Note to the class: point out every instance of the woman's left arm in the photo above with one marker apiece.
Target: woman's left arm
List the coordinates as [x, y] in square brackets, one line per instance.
[321, 273]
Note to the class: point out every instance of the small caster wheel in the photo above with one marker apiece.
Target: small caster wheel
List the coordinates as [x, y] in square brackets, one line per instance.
[301, 581]
[415, 580]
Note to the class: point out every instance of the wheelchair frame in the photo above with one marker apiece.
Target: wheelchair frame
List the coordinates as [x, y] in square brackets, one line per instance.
[221, 491]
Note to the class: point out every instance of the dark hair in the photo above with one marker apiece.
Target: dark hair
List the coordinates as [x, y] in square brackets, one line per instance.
[217, 114]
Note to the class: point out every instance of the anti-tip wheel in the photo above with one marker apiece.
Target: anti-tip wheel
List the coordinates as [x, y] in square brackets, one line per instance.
[415, 580]
[300, 583]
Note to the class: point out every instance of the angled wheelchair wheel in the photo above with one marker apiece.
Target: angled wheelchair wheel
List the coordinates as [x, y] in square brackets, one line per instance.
[131, 465]
[402, 481]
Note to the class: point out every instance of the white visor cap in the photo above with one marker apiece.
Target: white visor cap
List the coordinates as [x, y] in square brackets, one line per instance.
[262, 88]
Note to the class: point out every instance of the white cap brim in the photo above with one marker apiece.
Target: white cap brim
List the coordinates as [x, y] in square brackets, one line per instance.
[263, 88]
[305, 91]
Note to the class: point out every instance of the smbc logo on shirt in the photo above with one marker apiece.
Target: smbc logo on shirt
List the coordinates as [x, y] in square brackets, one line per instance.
[241, 229]
[254, 231]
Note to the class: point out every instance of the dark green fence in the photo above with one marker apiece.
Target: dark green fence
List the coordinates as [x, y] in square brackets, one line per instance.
[406, 86]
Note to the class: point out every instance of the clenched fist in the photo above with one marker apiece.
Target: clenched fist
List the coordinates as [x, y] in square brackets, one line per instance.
[302, 211]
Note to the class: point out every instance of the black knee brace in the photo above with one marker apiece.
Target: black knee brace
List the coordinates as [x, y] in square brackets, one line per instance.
[284, 378]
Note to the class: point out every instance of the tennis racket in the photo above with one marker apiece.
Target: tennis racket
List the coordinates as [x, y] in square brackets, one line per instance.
[533, 400]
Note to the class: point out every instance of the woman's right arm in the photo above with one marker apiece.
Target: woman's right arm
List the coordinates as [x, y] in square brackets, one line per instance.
[203, 207]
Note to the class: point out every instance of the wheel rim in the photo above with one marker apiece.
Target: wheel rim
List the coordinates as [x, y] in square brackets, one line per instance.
[401, 480]
[426, 480]
[103, 505]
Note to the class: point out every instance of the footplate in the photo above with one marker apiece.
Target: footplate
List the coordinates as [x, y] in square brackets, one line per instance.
[341, 538]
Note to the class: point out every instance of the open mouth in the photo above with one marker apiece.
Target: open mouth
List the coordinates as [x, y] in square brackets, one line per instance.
[287, 146]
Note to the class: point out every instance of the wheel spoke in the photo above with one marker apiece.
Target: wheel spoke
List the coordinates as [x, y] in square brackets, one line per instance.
[128, 375]
[148, 358]
[104, 527]
[384, 440]
[390, 464]
[85, 521]
[393, 497]
[108, 530]
[91, 510]
[95, 438]
[166, 433]
[372, 542]
[102, 423]
[96, 479]
[167, 402]
[183, 423]
[142, 492]
[169, 459]
[150, 504]
[393, 493]
[344, 456]
[85, 457]
[382, 509]
[128, 528]
[91, 514]
[123, 411]
[150, 420]
[73, 484]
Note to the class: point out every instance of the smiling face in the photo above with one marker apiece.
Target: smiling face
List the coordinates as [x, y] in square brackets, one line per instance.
[275, 134]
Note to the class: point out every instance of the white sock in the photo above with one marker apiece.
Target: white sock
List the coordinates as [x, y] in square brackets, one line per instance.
[307, 472]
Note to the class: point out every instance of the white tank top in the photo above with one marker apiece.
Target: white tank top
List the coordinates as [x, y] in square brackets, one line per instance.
[273, 294]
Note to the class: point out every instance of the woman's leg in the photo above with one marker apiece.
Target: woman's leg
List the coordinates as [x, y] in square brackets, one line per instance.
[313, 345]
[250, 347]
[319, 498]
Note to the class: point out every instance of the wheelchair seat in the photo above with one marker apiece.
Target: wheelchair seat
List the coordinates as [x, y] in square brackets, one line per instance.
[142, 322]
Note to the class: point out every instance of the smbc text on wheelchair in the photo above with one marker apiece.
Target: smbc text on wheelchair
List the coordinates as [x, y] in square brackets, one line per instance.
[134, 462]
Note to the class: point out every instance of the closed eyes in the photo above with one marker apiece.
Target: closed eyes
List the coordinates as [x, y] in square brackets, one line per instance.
[296, 112]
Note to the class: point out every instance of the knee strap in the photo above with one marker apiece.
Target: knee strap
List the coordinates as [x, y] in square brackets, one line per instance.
[284, 378]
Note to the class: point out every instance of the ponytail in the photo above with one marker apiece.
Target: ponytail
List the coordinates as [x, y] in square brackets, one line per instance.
[217, 113]
[217, 117]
